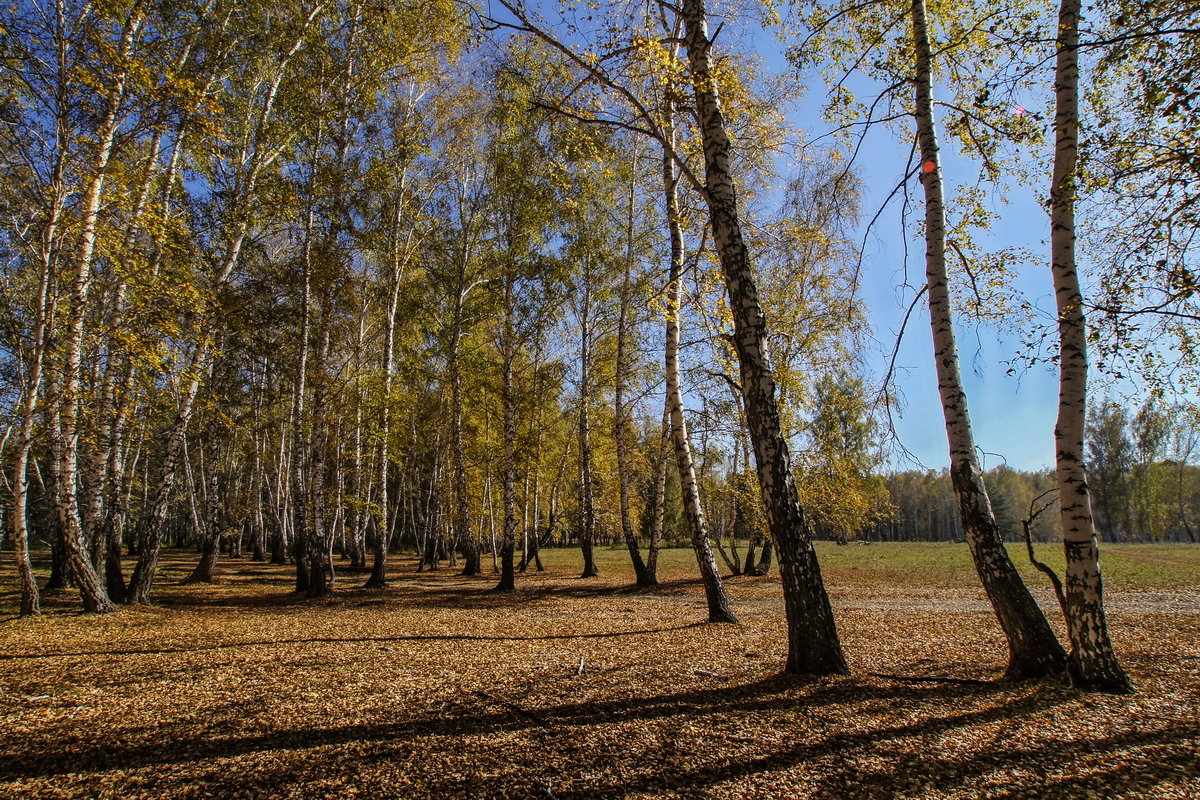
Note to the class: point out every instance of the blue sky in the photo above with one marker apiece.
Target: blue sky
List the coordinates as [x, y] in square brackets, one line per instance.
[1013, 415]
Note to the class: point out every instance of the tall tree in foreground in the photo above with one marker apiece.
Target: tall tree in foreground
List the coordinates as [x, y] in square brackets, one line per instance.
[68, 415]
[1034, 651]
[1092, 662]
[813, 645]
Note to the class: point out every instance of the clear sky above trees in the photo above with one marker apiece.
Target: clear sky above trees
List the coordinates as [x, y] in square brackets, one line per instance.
[1012, 401]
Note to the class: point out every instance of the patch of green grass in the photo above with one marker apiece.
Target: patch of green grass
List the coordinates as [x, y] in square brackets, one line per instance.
[1124, 566]
[915, 564]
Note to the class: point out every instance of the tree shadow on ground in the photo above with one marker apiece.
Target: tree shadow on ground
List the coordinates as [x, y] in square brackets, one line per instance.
[887, 760]
[416, 637]
[148, 747]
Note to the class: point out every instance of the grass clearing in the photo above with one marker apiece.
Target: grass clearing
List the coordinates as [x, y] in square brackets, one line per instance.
[438, 688]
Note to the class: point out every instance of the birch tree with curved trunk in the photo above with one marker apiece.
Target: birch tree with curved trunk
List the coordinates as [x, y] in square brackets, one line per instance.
[257, 149]
[813, 644]
[67, 416]
[1092, 662]
[1034, 651]
[714, 588]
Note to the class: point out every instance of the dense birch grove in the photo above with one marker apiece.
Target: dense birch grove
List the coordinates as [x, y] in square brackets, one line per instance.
[317, 282]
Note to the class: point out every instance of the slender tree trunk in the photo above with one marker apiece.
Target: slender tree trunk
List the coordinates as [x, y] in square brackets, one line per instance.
[116, 509]
[461, 517]
[536, 494]
[378, 579]
[359, 489]
[30, 604]
[280, 513]
[92, 592]
[462, 521]
[536, 542]
[621, 426]
[210, 529]
[714, 588]
[300, 450]
[813, 645]
[660, 494]
[258, 478]
[487, 515]
[587, 502]
[318, 536]
[1092, 663]
[509, 542]
[1033, 649]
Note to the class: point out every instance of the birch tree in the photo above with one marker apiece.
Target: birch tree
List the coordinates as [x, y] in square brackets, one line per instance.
[1092, 661]
[1034, 651]
[257, 145]
[814, 647]
[813, 644]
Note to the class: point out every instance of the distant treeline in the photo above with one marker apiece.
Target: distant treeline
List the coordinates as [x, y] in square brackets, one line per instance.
[1145, 485]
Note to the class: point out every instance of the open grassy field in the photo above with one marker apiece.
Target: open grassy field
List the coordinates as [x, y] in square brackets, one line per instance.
[439, 688]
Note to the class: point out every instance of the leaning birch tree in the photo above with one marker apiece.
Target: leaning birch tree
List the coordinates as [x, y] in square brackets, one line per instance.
[1034, 650]
[813, 644]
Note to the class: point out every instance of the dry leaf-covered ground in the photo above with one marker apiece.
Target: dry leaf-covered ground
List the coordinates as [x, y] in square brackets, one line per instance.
[438, 688]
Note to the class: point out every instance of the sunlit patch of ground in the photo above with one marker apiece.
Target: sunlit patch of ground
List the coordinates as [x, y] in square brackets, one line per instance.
[439, 688]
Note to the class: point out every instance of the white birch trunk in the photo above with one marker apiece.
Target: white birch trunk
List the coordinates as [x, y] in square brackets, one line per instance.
[813, 645]
[714, 588]
[1092, 662]
[92, 592]
[1034, 651]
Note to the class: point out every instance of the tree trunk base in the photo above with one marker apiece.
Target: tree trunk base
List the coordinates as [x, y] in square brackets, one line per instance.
[30, 606]
[103, 606]
[1034, 666]
[1095, 675]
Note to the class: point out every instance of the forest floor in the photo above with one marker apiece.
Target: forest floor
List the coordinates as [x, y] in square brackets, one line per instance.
[439, 688]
